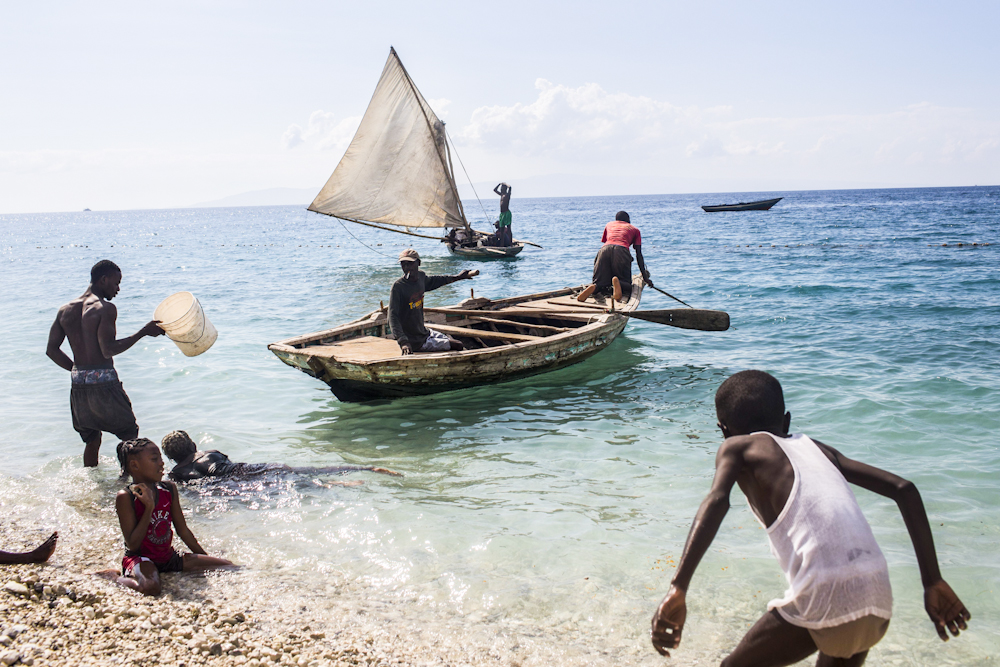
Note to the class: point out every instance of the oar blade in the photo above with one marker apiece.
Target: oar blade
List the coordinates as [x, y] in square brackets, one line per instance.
[686, 318]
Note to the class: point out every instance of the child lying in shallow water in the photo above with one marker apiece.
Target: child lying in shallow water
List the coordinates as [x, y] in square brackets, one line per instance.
[193, 464]
[146, 510]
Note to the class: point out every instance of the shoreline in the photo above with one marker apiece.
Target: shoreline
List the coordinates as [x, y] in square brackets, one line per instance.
[53, 615]
[60, 613]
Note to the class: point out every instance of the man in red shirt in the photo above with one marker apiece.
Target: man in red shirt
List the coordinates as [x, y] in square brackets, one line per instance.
[613, 264]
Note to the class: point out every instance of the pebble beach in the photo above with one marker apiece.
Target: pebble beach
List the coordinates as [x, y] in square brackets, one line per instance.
[52, 615]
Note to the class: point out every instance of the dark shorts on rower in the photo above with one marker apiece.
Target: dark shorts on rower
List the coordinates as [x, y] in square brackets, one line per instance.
[613, 261]
[101, 406]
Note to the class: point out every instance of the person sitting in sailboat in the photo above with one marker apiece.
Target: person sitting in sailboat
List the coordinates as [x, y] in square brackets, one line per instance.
[406, 307]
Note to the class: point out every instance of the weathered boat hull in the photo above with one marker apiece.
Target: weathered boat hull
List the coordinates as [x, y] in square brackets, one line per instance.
[366, 379]
[487, 252]
[355, 391]
[763, 205]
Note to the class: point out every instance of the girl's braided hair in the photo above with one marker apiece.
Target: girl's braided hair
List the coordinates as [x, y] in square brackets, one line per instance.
[129, 448]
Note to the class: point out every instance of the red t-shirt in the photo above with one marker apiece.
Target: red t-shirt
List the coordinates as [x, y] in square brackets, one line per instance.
[621, 233]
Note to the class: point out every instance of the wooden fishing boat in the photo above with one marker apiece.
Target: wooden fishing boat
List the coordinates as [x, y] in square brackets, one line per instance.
[397, 173]
[762, 205]
[487, 252]
[504, 339]
[472, 249]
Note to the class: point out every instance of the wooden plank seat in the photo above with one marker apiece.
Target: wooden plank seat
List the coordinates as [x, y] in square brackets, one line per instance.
[362, 348]
[480, 333]
[527, 325]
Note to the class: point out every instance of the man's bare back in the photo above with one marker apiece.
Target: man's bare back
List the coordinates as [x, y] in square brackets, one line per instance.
[97, 401]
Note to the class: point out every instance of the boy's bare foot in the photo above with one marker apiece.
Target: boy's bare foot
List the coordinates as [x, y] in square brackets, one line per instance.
[110, 575]
[617, 285]
[585, 294]
[43, 551]
[386, 471]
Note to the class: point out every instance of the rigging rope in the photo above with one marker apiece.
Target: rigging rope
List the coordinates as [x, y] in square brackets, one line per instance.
[485, 214]
[359, 240]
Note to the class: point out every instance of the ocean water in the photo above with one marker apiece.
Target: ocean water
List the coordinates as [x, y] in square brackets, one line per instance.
[539, 521]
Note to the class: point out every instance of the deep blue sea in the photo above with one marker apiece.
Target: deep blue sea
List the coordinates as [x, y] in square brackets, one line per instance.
[539, 519]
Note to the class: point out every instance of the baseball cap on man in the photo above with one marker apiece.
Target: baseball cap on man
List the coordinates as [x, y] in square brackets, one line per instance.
[409, 255]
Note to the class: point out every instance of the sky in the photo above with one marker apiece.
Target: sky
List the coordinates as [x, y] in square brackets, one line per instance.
[119, 105]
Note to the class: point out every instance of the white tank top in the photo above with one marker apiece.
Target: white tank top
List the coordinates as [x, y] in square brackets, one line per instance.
[836, 572]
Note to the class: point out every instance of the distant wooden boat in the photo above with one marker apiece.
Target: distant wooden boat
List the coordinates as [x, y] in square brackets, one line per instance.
[504, 340]
[762, 205]
[472, 250]
[487, 252]
[397, 174]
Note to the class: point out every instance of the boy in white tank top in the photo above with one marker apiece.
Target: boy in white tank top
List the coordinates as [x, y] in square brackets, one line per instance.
[839, 601]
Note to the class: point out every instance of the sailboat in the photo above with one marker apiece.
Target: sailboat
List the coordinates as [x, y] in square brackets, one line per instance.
[397, 173]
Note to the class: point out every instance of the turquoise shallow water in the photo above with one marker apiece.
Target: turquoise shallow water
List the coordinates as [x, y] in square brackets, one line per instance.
[541, 517]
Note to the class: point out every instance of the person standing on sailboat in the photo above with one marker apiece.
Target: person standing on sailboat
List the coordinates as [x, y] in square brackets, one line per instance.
[406, 307]
[504, 235]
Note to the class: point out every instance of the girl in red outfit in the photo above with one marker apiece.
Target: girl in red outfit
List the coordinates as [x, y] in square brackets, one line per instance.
[146, 510]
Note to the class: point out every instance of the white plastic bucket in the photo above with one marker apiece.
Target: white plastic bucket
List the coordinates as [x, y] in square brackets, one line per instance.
[181, 317]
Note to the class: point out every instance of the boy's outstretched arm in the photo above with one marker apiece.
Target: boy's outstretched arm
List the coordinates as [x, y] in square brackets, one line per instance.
[942, 604]
[668, 621]
[180, 525]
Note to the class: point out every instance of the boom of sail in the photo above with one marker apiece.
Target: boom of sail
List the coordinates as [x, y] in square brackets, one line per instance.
[397, 170]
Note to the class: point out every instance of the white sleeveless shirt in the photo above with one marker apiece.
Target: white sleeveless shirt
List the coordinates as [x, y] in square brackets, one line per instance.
[836, 572]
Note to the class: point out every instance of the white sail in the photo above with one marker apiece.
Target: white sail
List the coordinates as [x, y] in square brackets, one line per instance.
[397, 170]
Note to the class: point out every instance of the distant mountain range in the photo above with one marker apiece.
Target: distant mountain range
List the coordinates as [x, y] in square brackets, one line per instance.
[554, 185]
[549, 185]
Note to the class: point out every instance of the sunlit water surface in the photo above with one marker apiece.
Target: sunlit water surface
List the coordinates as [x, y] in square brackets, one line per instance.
[539, 520]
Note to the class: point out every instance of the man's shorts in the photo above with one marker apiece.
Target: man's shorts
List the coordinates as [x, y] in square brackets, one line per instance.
[173, 564]
[436, 342]
[98, 403]
[613, 261]
[851, 638]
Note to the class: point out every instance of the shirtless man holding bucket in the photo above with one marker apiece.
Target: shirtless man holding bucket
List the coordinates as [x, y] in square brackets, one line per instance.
[97, 400]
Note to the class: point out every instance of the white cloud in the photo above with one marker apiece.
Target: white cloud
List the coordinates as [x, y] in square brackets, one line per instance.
[440, 106]
[323, 132]
[292, 136]
[588, 130]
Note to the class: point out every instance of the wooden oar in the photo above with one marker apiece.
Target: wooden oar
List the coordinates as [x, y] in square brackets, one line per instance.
[672, 297]
[684, 318]
[528, 243]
